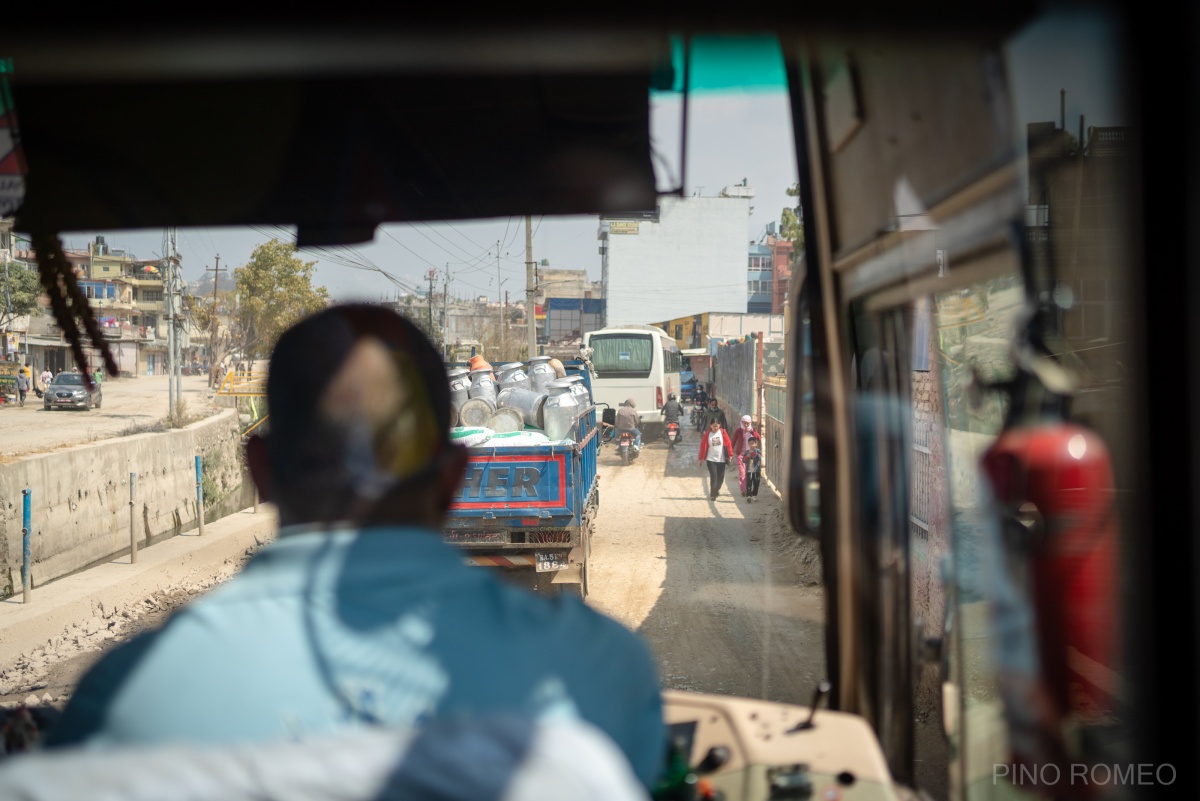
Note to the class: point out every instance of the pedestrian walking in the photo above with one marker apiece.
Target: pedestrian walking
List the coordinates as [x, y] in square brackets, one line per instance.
[716, 451]
[741, 440]
[47, 377]
[752, 461]
[22, 385]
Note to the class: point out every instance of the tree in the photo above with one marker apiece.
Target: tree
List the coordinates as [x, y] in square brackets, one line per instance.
[275, 290]
[23, 288]
[791, 225]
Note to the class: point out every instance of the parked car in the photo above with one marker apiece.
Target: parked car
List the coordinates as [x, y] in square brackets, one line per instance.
[687, 386]
[67, 391]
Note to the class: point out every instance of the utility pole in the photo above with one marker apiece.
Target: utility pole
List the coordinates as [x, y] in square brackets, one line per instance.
[499, 288]
[212, 339]
[8, 315]
[432, 274]
[445, 312]
[498, 281]
[176, 321]
[504, 327]
[169, 307]
[530, 289]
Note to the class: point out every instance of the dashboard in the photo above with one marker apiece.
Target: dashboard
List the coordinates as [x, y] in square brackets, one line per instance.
[745, 750]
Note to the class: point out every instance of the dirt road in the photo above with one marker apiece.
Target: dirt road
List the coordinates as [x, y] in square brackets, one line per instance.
[728, 598]
[130, 405]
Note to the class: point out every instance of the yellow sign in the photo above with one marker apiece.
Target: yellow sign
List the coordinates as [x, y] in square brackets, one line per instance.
[623, 226]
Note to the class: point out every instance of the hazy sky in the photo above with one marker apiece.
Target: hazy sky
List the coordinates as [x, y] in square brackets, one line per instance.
[732, 136]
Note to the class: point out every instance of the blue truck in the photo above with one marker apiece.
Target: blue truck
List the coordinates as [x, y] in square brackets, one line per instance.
[532, 509]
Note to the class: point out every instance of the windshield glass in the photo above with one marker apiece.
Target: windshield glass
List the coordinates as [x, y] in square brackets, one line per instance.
[710, 264]
[622, 353]
[191, 315]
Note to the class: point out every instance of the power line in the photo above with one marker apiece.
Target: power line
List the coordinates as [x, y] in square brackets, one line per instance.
[355, 260]
[464, 236]
[450, 241]
[410, 250]
[507, 225]
[516, 232]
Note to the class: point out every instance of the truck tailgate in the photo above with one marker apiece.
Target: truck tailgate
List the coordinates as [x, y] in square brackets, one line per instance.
[517, 482]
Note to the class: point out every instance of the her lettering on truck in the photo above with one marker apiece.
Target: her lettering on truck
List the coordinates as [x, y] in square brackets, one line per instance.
[360, 614]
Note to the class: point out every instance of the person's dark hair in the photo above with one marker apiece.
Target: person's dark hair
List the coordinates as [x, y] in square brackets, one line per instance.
[321, 467]
[755, 440]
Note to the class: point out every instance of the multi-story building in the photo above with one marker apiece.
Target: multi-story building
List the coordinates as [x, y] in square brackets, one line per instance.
[567, 304]
[782, 256]
[126, 296]
[759, 279]
[689, 253]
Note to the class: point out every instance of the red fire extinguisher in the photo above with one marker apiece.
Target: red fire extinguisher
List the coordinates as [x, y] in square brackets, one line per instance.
[1053, 481]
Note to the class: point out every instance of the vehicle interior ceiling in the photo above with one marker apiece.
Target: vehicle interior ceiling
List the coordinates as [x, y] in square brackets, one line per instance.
[338, 127]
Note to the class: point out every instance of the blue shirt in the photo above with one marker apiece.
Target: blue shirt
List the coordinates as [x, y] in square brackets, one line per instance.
[328, 630]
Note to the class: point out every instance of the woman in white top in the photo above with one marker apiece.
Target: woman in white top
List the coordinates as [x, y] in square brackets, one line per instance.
[716, 451]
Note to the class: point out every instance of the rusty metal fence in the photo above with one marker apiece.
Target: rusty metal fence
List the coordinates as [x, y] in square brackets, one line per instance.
[775, 429]
[736, 375]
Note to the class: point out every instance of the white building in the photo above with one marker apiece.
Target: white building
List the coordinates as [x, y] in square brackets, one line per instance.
[689, 254]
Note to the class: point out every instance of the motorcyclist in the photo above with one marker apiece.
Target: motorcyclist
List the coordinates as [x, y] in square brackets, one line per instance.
[714, 412]
[672, 412]
[627, 420]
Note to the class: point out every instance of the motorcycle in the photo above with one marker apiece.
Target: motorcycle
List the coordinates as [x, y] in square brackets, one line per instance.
[626, 448]
[671, 433]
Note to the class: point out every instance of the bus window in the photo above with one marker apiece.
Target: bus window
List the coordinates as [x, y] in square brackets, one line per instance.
[622, 355]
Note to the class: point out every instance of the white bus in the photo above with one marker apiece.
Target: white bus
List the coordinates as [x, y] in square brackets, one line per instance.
[635, 361]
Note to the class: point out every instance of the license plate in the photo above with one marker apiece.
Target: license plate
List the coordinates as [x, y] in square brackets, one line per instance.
[63, 400]
[548, 562]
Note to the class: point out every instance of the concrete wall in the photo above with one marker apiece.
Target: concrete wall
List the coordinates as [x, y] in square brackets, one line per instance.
[732, 326]
[80, 509]
[693, 257]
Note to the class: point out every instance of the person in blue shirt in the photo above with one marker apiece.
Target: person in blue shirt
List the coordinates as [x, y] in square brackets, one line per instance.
[359, 614]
